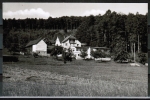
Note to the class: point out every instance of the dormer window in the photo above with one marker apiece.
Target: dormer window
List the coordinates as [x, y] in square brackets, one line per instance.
[77, 45]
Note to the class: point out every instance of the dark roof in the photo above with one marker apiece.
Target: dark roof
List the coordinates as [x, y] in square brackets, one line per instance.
[68, 37]
[33, 42]
[52, 41]
[60, 37]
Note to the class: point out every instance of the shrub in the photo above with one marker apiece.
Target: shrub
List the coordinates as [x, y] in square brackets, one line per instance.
[121, 56]
[49, 50]
[35, 55]
[83, 54]
[108, 55]
[98, 54]
[56, 50]
[142, 58]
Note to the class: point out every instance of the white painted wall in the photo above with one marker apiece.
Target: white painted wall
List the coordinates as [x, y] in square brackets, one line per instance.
[34, 48]
[78, 42]
[57, 43]
[41, 46]
[64, 44]
[73, 47]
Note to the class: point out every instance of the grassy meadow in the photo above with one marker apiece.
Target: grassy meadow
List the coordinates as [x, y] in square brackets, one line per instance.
[48, 77]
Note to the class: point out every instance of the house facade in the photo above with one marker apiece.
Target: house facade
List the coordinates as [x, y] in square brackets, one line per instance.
[37, 46]
[70, 42]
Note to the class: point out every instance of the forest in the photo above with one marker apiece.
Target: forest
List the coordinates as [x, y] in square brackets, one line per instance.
[116, 31]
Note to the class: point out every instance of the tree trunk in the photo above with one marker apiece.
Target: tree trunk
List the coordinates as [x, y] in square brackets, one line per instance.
[134, 52]
[138, 44]
[104, 37]
[131, 46]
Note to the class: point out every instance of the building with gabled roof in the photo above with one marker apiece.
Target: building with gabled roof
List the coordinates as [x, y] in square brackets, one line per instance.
[37, 46]
[69, 37]
[57, 42]
[70, 42]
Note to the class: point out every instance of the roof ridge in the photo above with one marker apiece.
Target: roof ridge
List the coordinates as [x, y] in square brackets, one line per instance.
[34, 41]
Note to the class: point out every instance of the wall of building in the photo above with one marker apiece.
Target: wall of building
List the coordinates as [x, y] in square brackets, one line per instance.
[73, 47]
[66, 44]
[34, 48]
[78, 44]
[41, 46]
[42, 53]
[57, 42]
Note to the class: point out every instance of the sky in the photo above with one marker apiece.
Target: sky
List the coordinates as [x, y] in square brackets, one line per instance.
[45, 10]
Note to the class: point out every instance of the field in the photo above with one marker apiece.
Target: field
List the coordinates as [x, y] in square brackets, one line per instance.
[49, 77]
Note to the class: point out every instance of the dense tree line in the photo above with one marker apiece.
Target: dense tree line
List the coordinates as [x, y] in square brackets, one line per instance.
[116, 31]
[51, 23]
[113, 30]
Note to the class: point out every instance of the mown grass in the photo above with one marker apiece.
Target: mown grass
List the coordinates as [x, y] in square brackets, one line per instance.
[48, 77]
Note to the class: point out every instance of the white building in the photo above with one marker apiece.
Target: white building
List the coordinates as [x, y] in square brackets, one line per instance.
[57, 43]
[72, 43]
[37, 46]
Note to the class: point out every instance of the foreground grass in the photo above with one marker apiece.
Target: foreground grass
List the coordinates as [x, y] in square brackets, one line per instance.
[48, 77]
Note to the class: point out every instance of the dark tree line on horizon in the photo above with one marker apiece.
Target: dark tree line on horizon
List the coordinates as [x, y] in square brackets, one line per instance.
[51, 23]
[113, 30]
[116, 31]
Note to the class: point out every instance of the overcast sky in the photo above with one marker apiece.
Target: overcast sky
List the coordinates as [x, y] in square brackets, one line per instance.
[45, 10]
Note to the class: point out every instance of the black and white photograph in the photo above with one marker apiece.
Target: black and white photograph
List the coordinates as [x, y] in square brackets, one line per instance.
[75, 49]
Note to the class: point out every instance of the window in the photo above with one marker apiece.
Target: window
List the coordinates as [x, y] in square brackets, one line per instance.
[66, 44]
[77, 45]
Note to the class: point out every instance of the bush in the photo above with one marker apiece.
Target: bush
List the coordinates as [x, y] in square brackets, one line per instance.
[56, 50]
[49, 50]
[107, 55]
[83, 54]
[142, 58]
[35, 55]
[121, 56]
[98, 54]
